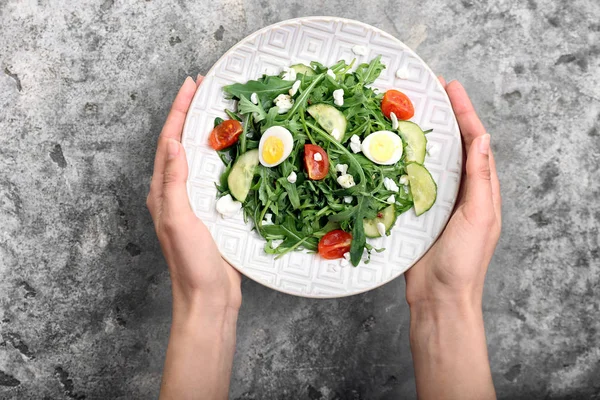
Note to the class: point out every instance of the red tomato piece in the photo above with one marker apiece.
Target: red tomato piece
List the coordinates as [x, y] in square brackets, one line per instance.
[334, 244]
[398, 103]
[225, 134]
[316, 169]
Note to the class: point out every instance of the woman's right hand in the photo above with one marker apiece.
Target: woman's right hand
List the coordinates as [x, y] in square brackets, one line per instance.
[444, 289]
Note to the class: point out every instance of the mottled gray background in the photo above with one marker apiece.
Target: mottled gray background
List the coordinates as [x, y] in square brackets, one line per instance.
[84, 291]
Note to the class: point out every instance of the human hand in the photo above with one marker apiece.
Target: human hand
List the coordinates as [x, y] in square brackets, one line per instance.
[444, 289]
[453, 270]
[200, 277]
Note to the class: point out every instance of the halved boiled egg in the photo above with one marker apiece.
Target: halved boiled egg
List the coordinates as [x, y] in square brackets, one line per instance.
[275, 146]
[382, 147]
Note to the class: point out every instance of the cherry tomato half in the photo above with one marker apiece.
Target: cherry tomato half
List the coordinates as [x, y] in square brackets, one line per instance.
[316, 169]
[334, 244]
[398, 103]
[225, 134]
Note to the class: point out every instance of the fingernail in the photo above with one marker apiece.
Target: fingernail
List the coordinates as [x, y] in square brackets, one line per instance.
[484, 144]
[189, 78]
[172, 149]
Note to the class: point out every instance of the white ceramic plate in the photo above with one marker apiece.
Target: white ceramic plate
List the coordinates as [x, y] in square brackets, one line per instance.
[326, 40]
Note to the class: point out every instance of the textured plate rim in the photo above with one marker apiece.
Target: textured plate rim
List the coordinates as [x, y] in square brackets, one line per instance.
[437, 82]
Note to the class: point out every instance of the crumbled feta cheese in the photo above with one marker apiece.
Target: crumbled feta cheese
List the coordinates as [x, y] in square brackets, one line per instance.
[254, 98]
[331, 74]
[289, 74]
[390, 185]
[276, 243]
[355, 145]
[391, 199]
[346, 260]
[381, 228]
[342, 168]
[359, 50]
[317, 157]
[294, 88]
[404, 180]
[337, 135]
[348, 199]
[346, 181]
[228, 207]
[338, 97]
[268, 219]
[292, 177]
[394, 121]
[284, 103]
[402, 73]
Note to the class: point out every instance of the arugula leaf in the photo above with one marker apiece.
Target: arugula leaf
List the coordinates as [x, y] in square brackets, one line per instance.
[266, 89]
[359, 239]
[245, 106]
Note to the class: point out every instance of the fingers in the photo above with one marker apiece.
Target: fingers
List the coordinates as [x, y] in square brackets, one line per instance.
[496, 198]
[468, 121]
[172, 130]
[442, 81]
[175, 203]
[478, 187]
[199, 80]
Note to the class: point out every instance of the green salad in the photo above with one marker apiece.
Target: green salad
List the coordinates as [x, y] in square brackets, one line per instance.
[320, 161]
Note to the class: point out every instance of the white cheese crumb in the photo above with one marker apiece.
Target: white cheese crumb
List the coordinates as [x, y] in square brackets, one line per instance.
[268, 219]
[359, 50]
[317, 157]
[355, 145]
[390, 185]
[381, 228]
[289, 74]
[346, 181]
[337, 135]
[394, 121]
[331, 74]
[228, 207]
[292, 177]
[404, 180]
[402, 73]
[294, 88]
[342, 168]
[284, 103]
[338, 97]
[346, 260]
[391, 199]
[348, 199]
[254, 98]
[346, 256]
[276, 243]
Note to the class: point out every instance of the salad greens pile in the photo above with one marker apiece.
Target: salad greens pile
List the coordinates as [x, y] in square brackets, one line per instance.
[304, 211]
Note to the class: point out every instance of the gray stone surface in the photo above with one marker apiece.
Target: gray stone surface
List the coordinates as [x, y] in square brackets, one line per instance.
[84, 291]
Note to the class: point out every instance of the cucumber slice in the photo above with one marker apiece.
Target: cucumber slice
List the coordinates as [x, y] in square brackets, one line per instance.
[242, 172]
[388, 218]
[422, 187]
[416, 143]
[303, 69]
[329, 118]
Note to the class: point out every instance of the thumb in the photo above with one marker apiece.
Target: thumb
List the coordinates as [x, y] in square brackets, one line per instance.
[175, 198]
[478, 186]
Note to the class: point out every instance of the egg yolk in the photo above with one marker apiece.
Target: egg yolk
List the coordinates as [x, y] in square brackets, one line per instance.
[382, 148]
[272, 150]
